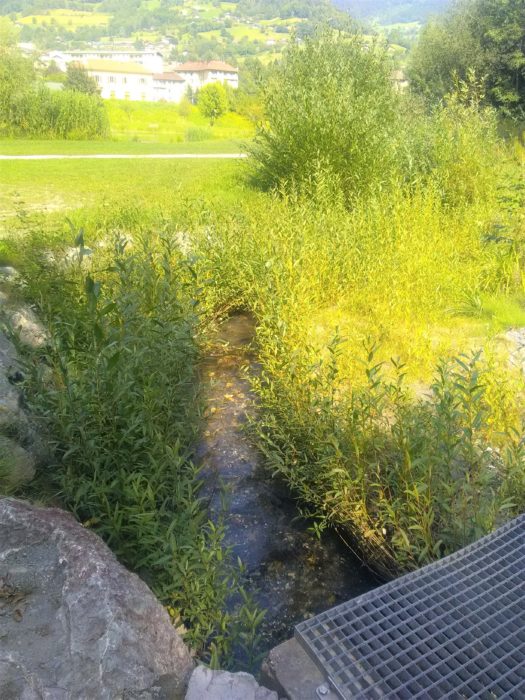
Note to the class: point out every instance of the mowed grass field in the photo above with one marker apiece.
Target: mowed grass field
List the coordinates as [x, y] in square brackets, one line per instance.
[60, 186]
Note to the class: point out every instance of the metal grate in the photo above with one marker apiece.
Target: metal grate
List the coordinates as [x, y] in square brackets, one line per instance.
[453, 629]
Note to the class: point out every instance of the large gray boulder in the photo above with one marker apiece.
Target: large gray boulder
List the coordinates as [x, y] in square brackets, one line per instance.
[74, 623]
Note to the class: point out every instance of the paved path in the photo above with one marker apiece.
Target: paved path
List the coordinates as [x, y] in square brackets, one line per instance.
[127, 156]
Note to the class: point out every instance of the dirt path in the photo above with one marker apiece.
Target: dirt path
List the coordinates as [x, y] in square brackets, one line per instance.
[129, 156]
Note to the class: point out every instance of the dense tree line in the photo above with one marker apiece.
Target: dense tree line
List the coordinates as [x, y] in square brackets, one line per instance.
[482, 38]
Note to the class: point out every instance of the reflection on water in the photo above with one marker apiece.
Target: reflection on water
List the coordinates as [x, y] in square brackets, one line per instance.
[289, 571]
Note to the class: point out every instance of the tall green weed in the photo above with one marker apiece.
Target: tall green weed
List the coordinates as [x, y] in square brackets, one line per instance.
[116, 391]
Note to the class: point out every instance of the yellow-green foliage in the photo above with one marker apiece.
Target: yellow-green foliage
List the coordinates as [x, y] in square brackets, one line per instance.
[151, 121]
[386, 398]
[364, 409]
[69, 19]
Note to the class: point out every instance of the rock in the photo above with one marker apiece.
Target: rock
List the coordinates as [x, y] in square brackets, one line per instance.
[514, 339]
[206, 684]
[8, 273]
[9, 397]
[17, 466]
[289, 670]
[74, 624]
[28, 328]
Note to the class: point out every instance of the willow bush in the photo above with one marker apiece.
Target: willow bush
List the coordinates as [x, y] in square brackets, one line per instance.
[413, 457]
[329, 104]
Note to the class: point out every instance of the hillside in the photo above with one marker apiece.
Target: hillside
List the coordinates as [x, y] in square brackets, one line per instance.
[204, 30]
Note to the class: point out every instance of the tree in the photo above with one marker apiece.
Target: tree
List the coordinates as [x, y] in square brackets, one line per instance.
[16, 79]
[446, 51]
[500, 27]
[77, 79]
[9, 32]
[487, 36]
[213, 101]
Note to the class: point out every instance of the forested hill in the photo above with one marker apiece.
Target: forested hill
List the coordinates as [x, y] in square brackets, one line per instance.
[200, 28]
[392, 11]
[267, 9]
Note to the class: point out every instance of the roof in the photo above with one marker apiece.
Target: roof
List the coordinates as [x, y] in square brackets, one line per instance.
[198, 66]
[175, 77]
[116, 52]
[103, 66]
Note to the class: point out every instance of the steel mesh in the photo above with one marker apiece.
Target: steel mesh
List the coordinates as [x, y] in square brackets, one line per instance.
[453, 629]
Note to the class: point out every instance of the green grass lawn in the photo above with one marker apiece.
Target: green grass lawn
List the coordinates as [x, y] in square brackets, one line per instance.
[54, 147]
[61, 186]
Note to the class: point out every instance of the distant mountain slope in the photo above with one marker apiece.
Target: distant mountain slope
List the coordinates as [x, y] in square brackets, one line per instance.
[194, 29]
[392, 11]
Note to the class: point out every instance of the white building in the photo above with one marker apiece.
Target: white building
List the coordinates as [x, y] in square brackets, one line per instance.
[128, 80]
[122, 80]
[149, 59]
[169, 87]
[201, 73]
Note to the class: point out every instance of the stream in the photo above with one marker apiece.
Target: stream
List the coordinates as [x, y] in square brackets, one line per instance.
[289, 571]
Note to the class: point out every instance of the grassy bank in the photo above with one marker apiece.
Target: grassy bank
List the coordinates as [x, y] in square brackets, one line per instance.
[360, 314]
[117, 392]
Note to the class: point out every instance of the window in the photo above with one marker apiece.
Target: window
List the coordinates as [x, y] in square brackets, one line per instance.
[124, 80]
[111, 78]
[142, 81]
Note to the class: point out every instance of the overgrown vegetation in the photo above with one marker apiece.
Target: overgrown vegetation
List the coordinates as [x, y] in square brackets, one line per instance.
[382, 257]
[383, 264]
[29, 108]
[116, 391]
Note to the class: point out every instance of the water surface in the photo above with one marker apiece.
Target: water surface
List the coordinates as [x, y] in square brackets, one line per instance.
[289, 572]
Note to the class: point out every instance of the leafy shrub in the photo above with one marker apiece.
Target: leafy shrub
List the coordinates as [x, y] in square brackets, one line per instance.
[330, 104]
[407, 481]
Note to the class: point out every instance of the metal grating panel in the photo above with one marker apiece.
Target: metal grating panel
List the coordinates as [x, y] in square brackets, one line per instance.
[453, 629]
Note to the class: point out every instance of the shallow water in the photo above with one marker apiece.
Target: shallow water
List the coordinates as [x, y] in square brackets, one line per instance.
[289, 572]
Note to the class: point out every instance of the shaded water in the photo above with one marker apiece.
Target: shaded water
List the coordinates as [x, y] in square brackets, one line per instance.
[289, 572]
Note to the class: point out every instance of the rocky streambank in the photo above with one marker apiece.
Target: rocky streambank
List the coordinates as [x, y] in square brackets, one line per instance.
[74, 623]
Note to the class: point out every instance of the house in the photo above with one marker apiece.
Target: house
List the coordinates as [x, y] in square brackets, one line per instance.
[128, 80]
[122, 80]
[149, 59]
[169, 87]
[198, 74]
